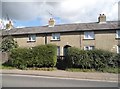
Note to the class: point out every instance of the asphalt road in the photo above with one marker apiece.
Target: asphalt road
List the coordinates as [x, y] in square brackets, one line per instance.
[9, 80]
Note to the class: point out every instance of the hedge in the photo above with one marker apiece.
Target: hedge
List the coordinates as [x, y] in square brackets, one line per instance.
[93, 59]
[39, 56]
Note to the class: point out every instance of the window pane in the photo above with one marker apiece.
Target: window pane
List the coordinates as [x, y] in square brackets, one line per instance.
[86, 48]
[89, 35]
[58, 51]
[118, 49]
[56, 36]
[53, 36]
[89, 47]
[32, 37]
[118, 33]
[29, 38]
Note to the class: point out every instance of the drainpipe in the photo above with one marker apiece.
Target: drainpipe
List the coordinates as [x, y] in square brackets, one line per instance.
[45, 38]
[80, 41]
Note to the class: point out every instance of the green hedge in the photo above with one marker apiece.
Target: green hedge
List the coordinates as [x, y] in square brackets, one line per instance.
[39, 56]
[93, 59]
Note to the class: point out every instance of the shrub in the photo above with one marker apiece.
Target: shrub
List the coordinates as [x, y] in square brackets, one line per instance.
[39, 56]
[8, 43]
[20, 57]
[45, 55]
[99, 58]
[93, 59]
[116, 60]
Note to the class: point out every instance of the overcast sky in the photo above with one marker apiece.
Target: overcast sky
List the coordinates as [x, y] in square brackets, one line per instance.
[37, 12]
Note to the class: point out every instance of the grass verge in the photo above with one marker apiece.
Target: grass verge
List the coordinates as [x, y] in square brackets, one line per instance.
[111, 70]
[80, 70]
[104, 70]
[6, 67]
[32, 68]
[42, 69]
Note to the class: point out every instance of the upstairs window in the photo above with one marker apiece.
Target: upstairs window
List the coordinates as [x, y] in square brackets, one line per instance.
[118, 34]
[55, 36]
[89, 47]
[89, 35]
[32, 38]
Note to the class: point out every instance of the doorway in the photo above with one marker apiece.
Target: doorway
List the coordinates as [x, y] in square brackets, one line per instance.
[66, 49]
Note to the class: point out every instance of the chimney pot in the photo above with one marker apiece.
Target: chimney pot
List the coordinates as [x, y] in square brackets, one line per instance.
[51, 22]
[102, 18]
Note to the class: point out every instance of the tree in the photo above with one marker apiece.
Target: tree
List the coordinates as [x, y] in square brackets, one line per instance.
[8, 43]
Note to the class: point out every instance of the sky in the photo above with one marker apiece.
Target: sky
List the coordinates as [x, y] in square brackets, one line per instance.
[27, 13]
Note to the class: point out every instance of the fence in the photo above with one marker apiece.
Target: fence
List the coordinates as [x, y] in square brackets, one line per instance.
[61, 62]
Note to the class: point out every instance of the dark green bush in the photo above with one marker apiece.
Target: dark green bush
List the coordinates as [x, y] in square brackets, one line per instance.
[39, 56]
[20, 57]
[93, 59]
[7, 44]
[100, 58]
[45, 55]
[116, 60]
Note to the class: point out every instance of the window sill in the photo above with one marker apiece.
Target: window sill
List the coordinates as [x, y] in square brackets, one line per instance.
[31, 41]
[55, 40]
[88, 39]
[117, 38]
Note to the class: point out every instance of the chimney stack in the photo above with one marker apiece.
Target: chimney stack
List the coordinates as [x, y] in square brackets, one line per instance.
[1, 24]
[9, 25]
[51, 22]
[102, 18]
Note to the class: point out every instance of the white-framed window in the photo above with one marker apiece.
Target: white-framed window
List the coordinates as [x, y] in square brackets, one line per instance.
[89, 47]
[117, 33]
[55, 36]
[118, 49]
[32, 37]
[89, 35]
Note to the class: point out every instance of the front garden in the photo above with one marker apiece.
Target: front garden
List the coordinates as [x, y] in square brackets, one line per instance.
[44, 57]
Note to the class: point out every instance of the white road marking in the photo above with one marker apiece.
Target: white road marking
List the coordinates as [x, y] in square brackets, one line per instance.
[34, 76]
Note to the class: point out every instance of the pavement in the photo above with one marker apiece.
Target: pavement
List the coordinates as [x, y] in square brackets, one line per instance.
[65, 74]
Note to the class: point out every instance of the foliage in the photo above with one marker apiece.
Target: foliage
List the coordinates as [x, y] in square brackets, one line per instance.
[116, 60]
[93, 59]
[8, 43]
[39, 56]
[45, 55]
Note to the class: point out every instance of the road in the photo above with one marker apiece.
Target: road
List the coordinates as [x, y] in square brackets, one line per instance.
[10, 80]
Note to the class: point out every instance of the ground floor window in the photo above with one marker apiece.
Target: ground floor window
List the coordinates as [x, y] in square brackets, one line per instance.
[118, 49]
[89, 47]
[58, 50]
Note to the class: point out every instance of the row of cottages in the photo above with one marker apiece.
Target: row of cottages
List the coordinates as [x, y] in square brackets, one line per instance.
[101, 35]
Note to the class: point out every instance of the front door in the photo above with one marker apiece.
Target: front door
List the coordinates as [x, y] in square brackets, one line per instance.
[66, 49]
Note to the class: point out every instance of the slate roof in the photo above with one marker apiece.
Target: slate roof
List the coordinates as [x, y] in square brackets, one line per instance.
[111, 25]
